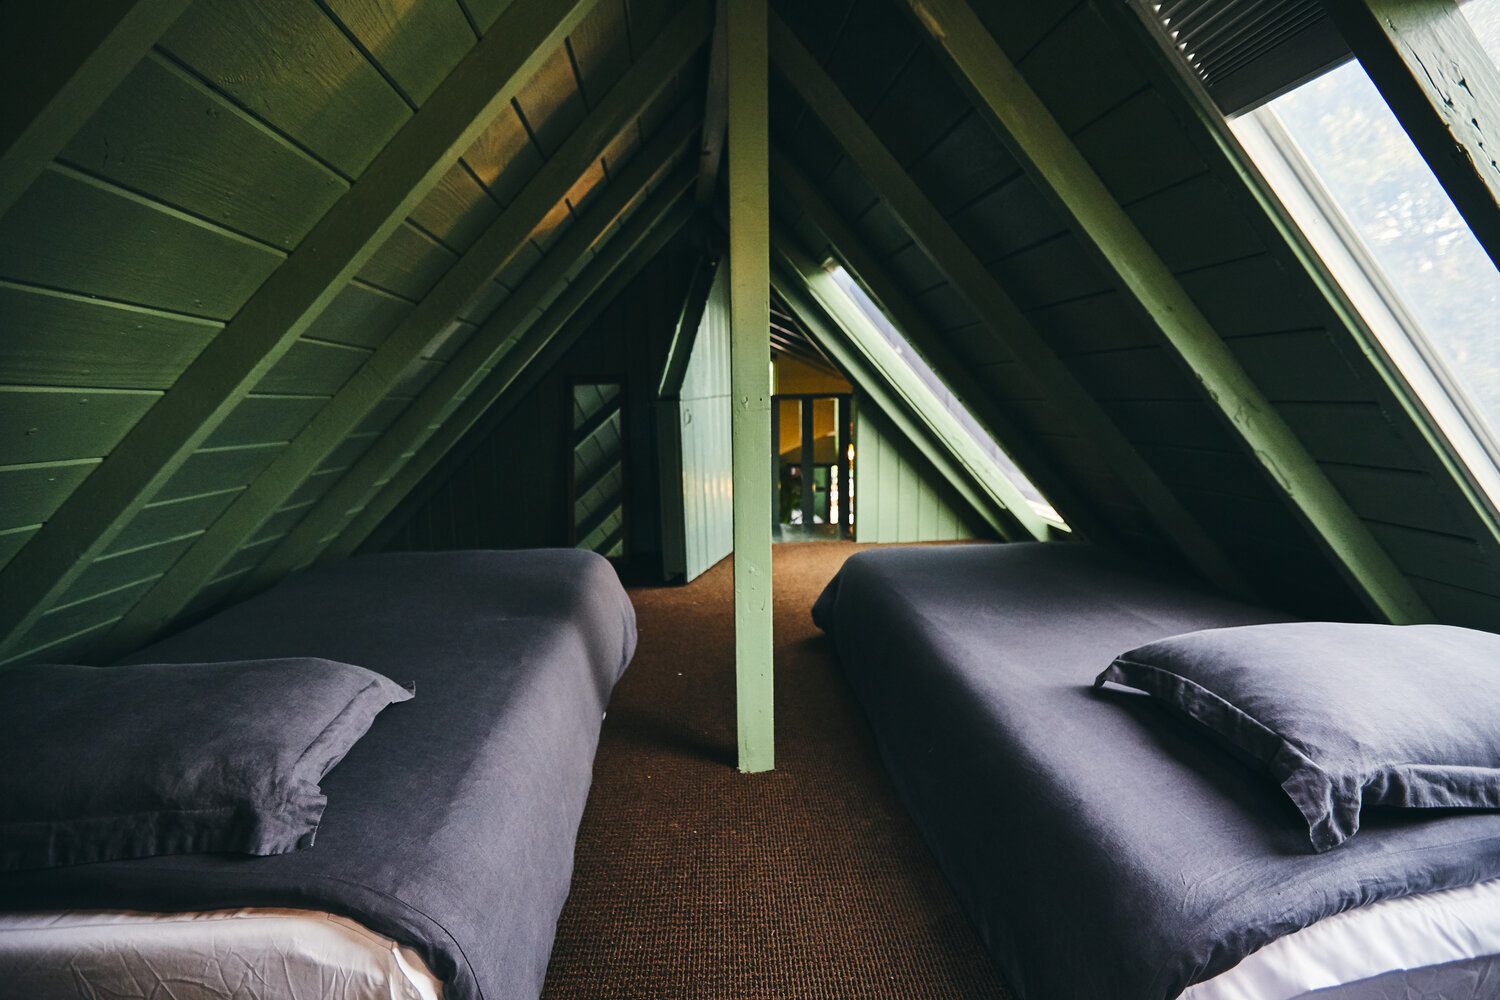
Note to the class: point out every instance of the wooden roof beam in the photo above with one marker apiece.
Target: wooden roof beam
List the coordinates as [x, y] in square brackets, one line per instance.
[59, 61]
[715, 109]
[975, 282]
[492, 342]
[265, 328]
[840, 329]
[1445, 90]
[364, 390]
[903, 312]
[1023, 123]
[642, 238]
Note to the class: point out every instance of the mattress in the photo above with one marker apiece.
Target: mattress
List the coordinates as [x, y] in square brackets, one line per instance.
[1074, 822]
[248, 954]
[450, 825]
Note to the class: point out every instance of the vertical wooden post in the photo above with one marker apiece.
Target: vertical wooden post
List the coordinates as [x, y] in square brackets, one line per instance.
[775, 463]
[750, 358]
[844, 418]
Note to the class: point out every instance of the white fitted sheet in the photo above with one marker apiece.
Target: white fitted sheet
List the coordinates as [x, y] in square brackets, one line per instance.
[1410, 932]
[244, 954]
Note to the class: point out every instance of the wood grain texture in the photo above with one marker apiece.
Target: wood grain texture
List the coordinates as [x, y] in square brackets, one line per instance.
[551, 103]
[312, 368]
[263, 418]
[62, 339]
[287, 63]
[159, 522]
[457, 211]
[52, 425]
[213, 470]
[75, 234]
[416, 43]
[166, 135]
[503, 156]
[361, 315]
[11, 540]
[408, 263]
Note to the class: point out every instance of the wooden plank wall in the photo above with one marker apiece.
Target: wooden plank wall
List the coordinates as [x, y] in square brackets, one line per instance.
[194, 180]
[898, 496]
[703, 415]
[505, 484]
[1206, 228]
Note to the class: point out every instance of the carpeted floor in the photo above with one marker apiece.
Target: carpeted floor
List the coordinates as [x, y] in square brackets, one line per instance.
[693, 880]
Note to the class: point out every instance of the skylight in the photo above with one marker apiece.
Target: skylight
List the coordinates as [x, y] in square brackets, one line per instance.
[1346, 171]
[940, 392]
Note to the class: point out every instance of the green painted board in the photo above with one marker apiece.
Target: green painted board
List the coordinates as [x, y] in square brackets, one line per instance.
[485, 301]
[1219, 232]
[1350, 434]
[313, 368]
[485, 12]
[1249, 296]
[503, 157]
[30, 493]
[1160, 153]
[87, 616]
[313, 487]
[159, 522]
[1457, 606]
[1457, 560]
[220, 469]
[600, 49]
[1080, 70]
[71, 233]
[286, 62]
[167, 136]
[384, 412]
[416, 43]
[262, 419]
[112, 572]
[349, 451]
[11, 540]
[457, 210]
[409, 263]
[54, 425]
[278, 524]
[551, 102]
[54, 338]
[361, 315]
[416, 377]
[1391, 496]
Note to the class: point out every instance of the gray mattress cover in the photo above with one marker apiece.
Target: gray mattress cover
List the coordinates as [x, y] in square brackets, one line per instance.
[450, 825]
[1102, 848]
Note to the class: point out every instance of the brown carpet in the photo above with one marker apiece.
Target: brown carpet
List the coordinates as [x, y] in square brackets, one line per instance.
[693, 880]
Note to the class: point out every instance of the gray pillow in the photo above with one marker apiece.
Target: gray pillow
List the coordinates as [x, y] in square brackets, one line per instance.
[1341, 714]
[100, 763]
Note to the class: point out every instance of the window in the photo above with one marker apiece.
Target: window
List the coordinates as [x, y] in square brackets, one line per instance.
[1348, 174]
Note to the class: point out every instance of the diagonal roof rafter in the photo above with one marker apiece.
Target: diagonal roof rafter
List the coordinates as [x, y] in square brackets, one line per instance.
[277, 313]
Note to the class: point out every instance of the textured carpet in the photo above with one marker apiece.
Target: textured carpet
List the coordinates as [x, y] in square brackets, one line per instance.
[693, 880]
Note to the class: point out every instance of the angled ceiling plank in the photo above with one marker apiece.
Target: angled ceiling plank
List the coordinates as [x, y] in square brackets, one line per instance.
[846, 333]
[59, 61]
[749, 174]
[495, 338]
[715, 109]
[875, 277]
[685, 334]
[541, 347]
[364, 390]
[1444, 88]
[1024, 124]
[274, 317]
[974, 281]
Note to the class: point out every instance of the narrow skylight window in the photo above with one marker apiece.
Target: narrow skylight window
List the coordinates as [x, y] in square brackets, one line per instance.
[1347, 172]
[940, 391]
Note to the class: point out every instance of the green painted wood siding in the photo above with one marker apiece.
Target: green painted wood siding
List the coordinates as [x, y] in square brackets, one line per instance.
[703, 418]
[898, 496]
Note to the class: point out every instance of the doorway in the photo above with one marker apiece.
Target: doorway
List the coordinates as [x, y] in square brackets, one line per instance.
[812, 486]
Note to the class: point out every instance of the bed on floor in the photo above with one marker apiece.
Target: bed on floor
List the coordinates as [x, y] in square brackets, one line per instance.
[1104, 846]
[445, 850]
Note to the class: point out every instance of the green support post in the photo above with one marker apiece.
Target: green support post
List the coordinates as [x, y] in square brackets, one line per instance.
[750, 361]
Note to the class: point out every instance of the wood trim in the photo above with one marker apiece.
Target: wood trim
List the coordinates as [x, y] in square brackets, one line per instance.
[499, 244]
[498, 340]
[990, 301]
[715, 109]
[749, 376]
[284, 306]
[1023, 123]
[59, 62]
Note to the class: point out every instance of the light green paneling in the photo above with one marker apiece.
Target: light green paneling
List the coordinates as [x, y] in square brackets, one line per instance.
[898, 496]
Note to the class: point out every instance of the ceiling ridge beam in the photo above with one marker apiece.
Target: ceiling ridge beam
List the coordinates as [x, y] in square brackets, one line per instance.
[1445, 90]
[542, 346]
[1023, 123]
[277, 313]
[493, 340]
[59, 62]
[382, 370]
[903, 312]
[991, 303]
[844, 332]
